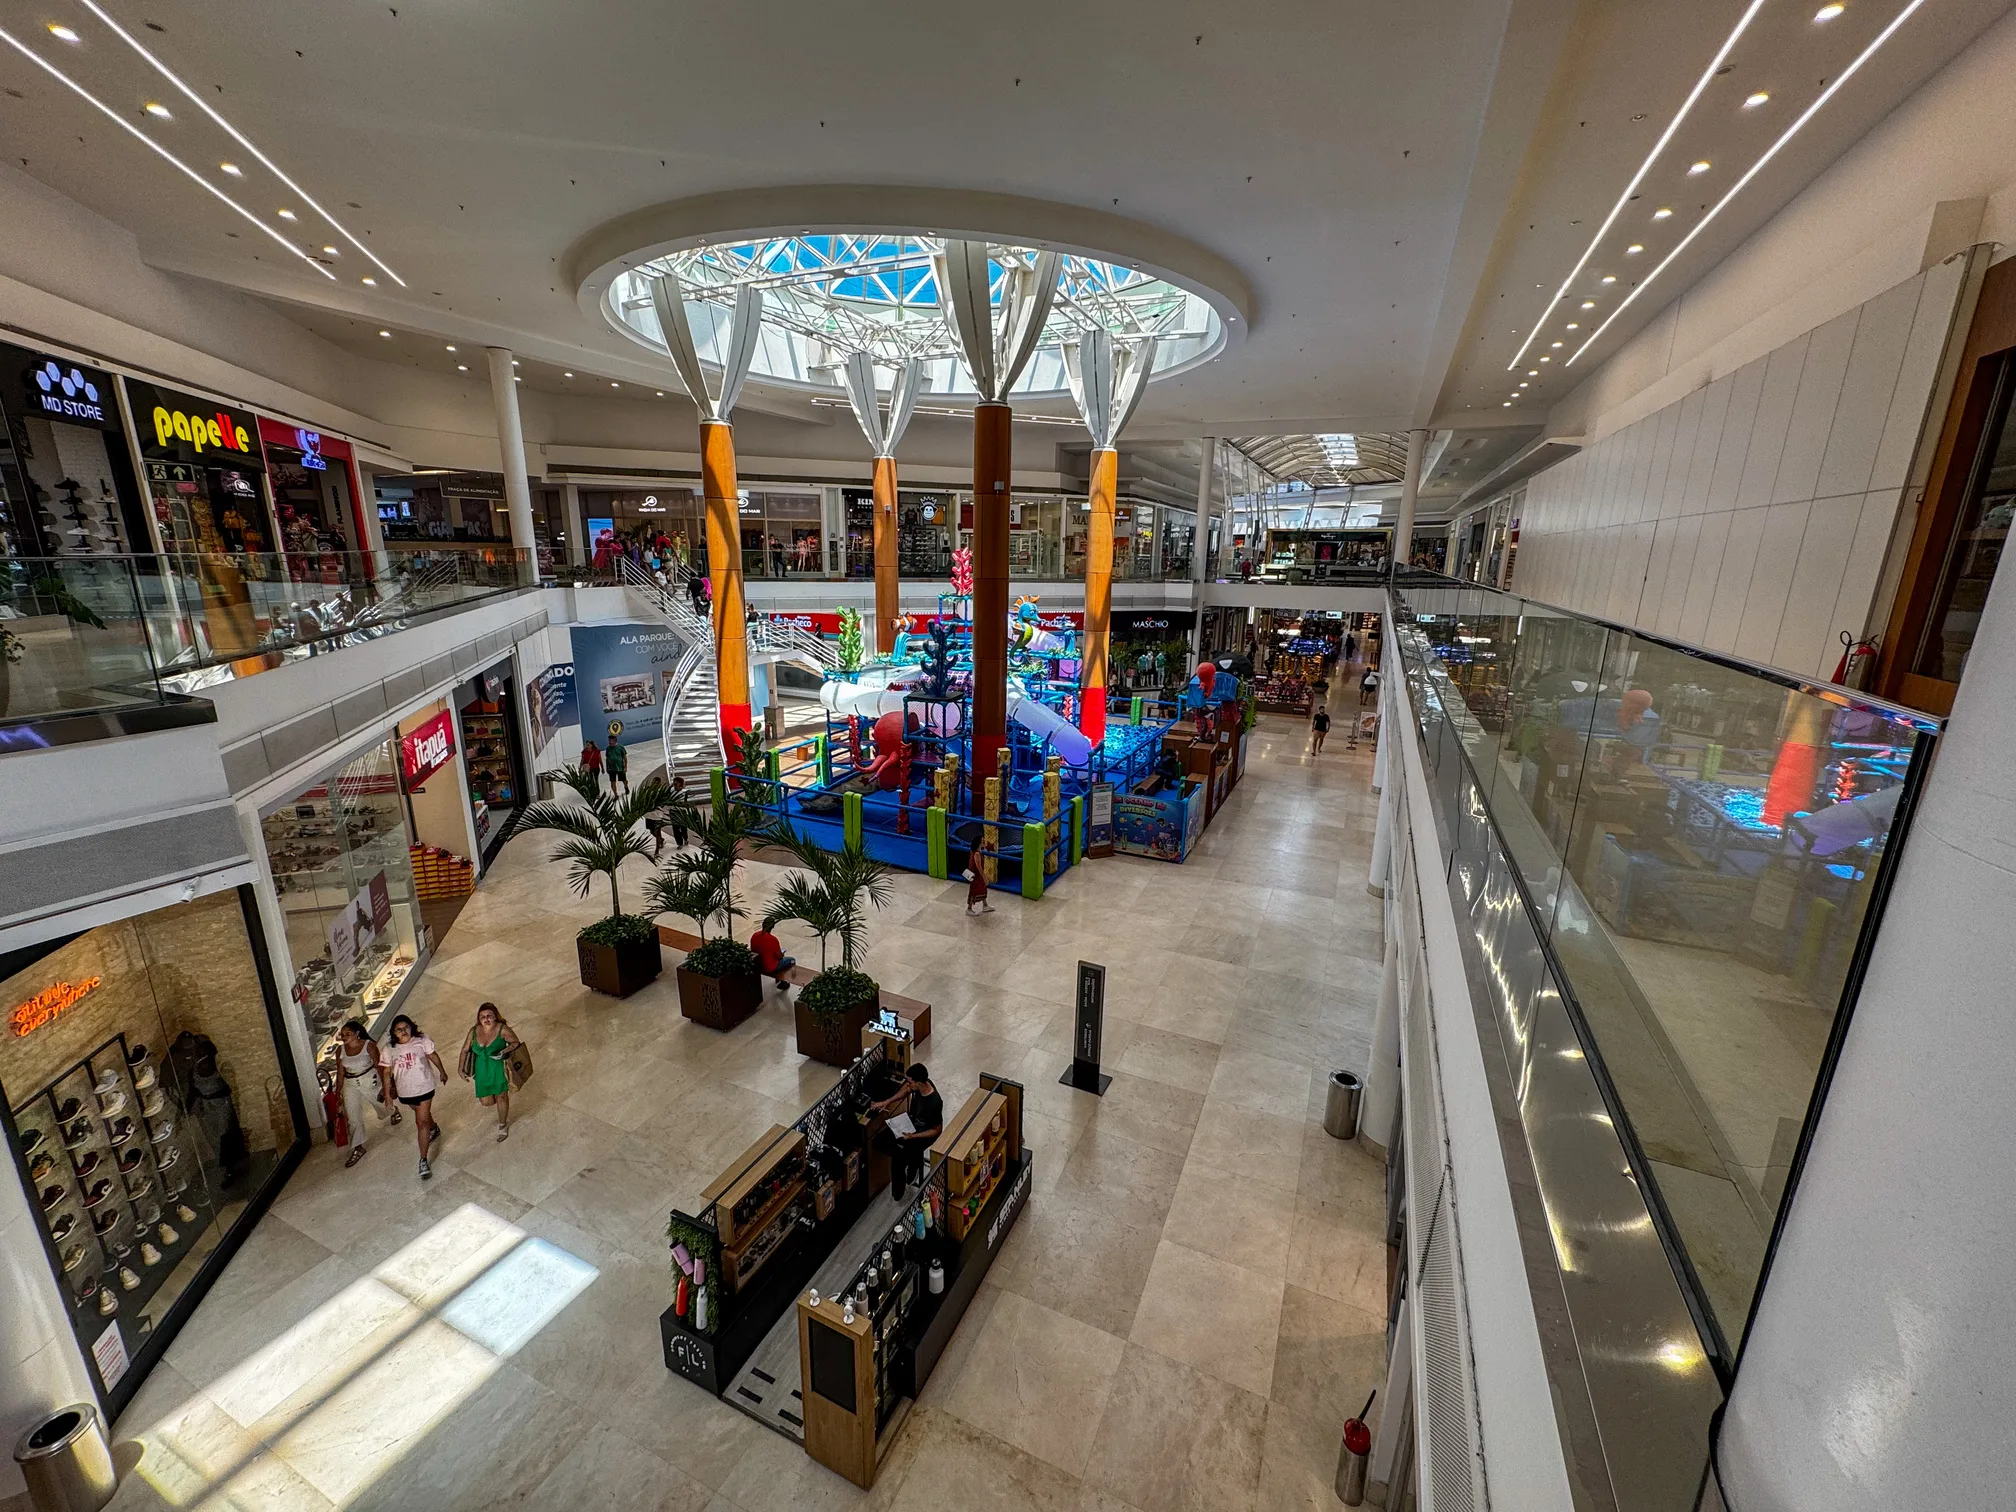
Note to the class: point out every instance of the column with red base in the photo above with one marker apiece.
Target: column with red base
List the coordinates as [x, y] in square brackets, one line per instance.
[1099, 594]
[724, 572]
[993, 449]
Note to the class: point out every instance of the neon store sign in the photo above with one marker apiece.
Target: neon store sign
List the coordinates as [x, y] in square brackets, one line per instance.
[49, 1004]
[218, 430]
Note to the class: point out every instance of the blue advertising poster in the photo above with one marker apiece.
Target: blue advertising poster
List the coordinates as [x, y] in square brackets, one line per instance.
[601, 538]
[620, 676]
[551, 704]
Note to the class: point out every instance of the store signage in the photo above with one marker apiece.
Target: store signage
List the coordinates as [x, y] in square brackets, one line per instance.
[108, 1352]
[1017, 1195]
[691, 1356]
[426, 750]
[65, 391]
[50, 1003]
[310, 443]
[183, 428]
[1088, 1032]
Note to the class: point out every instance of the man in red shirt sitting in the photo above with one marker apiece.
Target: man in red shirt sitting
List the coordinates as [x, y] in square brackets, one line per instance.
[770, 954]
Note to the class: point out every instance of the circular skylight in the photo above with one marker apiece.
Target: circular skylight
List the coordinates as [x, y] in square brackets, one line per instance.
[826, 296]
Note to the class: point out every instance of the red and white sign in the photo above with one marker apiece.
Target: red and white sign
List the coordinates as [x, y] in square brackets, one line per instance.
[816, 623]
[427, 749]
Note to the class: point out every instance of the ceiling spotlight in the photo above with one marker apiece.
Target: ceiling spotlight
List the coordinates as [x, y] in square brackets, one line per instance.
[451, 346]
[461, 367]
[1701, 167]
[369, 280]
[516, 378]
[285, 214]
[63, 33]
[1825, 13]
[1588, 304]
[514, 362]
[614, 384]
[1506, 405]
[1522, 385]
[1532, 372]
[1634, 249]
[329, 252]
[1546, 359]
[1556, 343]
[1755, 100]
[1573, 326]
[566, 375]
[386, 334]
[1662, 214]
[157, 109]
[661, 393]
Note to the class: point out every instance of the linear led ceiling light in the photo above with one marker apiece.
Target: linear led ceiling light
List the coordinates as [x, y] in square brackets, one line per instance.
[1658, 147]
[238, 136]
[145, 140]
[1756, 168]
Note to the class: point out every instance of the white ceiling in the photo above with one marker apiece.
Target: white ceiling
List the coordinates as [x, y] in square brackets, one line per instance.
[1400, 186]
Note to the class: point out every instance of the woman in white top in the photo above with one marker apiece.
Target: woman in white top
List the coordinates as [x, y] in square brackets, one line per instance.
[366, 1083]
[417, 1073]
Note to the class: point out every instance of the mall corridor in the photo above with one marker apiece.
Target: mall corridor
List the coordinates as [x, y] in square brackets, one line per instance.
[1194, 1303]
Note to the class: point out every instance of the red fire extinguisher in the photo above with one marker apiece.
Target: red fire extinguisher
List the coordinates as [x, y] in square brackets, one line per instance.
[1858, 660]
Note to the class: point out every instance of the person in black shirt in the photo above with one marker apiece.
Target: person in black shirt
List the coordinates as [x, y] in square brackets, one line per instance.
[920, 1099]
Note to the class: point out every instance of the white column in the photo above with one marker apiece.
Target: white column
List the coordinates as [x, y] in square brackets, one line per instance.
[577, 533]
[1200, 543]
[511, 440]
[1410, 489]
[1382, 1070]
[1877, 1372]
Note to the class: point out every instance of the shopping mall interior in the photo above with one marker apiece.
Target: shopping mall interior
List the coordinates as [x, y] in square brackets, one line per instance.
[1140, 759]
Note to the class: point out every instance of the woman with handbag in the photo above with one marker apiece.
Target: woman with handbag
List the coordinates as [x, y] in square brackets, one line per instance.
[484, 1061]
[365, 1082]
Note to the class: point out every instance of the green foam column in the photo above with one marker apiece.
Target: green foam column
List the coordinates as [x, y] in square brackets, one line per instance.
[1077, 829]
[936, 849]
[825, 755]
[1134, 710]
[1034, 836]
[851, 817]
[717, 788]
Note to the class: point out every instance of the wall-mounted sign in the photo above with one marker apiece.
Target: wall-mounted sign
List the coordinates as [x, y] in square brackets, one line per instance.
[64, 391]
[426, 750]
[183, 428]
[310, 443]
[52, 1001]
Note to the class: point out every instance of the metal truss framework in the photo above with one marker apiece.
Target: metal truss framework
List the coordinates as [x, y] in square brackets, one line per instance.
[1330, 461]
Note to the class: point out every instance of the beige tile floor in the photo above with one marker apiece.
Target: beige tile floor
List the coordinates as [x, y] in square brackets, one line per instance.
[1182, 1318]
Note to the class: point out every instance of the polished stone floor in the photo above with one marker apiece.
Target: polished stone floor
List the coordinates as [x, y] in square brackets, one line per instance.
[1181, 1320]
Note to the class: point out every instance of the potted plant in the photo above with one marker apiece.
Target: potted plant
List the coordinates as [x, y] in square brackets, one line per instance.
[618, 954]
[720, 982]
[831, 897]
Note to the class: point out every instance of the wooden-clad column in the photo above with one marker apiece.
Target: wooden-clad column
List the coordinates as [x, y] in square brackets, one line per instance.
[724, 572]
[1099, 594]
[993, 448]
[887, 600]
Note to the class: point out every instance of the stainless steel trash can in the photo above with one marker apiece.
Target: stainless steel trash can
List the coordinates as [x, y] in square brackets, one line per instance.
[1353, 1457]
[67, 1461]
[1340, 1108]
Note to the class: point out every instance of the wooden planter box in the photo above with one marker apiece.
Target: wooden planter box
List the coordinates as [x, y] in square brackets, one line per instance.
[718, 1002]
[619, 970]
[834, 1041]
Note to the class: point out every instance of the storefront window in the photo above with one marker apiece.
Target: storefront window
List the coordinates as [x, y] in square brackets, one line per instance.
[860, 506]
[339, 853]
[66, 486]
[496, 765]
[791, 534]
[1177, 536]
[149, 1104]
[1036, 538]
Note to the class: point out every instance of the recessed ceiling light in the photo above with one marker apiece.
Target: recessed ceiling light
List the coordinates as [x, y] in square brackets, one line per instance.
[386, 334]
[157, 109]
[1755, 100]
[369, 280]
[1532, 372]
[1662, 214]
[1573, 326]
[661, 393]
[1634, 249]
[1588, 304]
[514, 362]
[1506, 405]
[614, 384]
[1522, 385]
[566, 375]
[1610, 278]
[330, 252]
[1825, 13]
[451, 346]
[1701, 167]
[461, 367]
[285, 214]
[1556, 343]
[61, 32]
[1546, 359]
[233, 169]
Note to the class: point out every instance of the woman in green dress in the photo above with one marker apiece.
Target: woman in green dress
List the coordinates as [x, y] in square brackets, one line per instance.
[483, 1052]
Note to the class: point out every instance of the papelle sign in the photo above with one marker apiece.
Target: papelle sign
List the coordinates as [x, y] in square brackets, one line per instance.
[183, 428]
[428, 749]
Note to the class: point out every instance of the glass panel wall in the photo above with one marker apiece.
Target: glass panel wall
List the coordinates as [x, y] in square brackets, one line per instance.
[1700, 844]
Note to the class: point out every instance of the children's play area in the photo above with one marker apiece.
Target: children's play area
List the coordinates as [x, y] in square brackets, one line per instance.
[892, 769]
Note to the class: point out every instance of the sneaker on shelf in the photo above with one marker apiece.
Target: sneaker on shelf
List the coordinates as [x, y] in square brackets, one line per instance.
[185, 1212]
[163, 1132]
[68, 1109]
[108, 1080]
[120, 1131]
[139, 1187]
[169, 1159]
[151, 1107]
[77, 1135]
[112, 1104]
[149, 1255]
[136, 1054]
[51, 1195]
[129, 1279]
[103, 1223]
[98, 1193]
[60, 1229]
[129, 1161]
[73, 1257]
[107, 1303]
[87, 1288]
[167, 1235]
[90, 1162]
[41, 1166]
[144, 1078]
[31, 1140]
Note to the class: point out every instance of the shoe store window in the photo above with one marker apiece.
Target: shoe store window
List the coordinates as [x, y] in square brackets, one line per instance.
[67, 487]
[151, 1112]
[487, 707]
[341, 861]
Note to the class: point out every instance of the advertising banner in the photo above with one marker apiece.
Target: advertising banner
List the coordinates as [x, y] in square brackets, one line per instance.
[177, 427]
[55, 388]
[428, 749]
[620, 676]
[551, 705]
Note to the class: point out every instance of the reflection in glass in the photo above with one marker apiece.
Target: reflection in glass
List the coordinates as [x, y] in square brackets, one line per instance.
[1976, 547]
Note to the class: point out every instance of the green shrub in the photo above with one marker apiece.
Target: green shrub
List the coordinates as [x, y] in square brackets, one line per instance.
[837, 989]
[722, 958]
[620, 929]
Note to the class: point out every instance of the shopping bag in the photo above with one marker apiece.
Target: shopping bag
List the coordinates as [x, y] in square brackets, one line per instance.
[339, 1131]
[518, 1065]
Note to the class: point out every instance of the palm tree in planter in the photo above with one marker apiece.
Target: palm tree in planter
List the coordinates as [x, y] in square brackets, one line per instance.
[720, 981]
[831, 897]
[618, 954]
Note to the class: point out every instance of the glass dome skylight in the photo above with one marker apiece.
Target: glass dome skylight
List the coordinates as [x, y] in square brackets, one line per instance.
[826, 296]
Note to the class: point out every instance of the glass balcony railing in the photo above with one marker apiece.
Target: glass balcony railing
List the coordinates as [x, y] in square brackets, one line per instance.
[1701, 848]
[85, 634]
